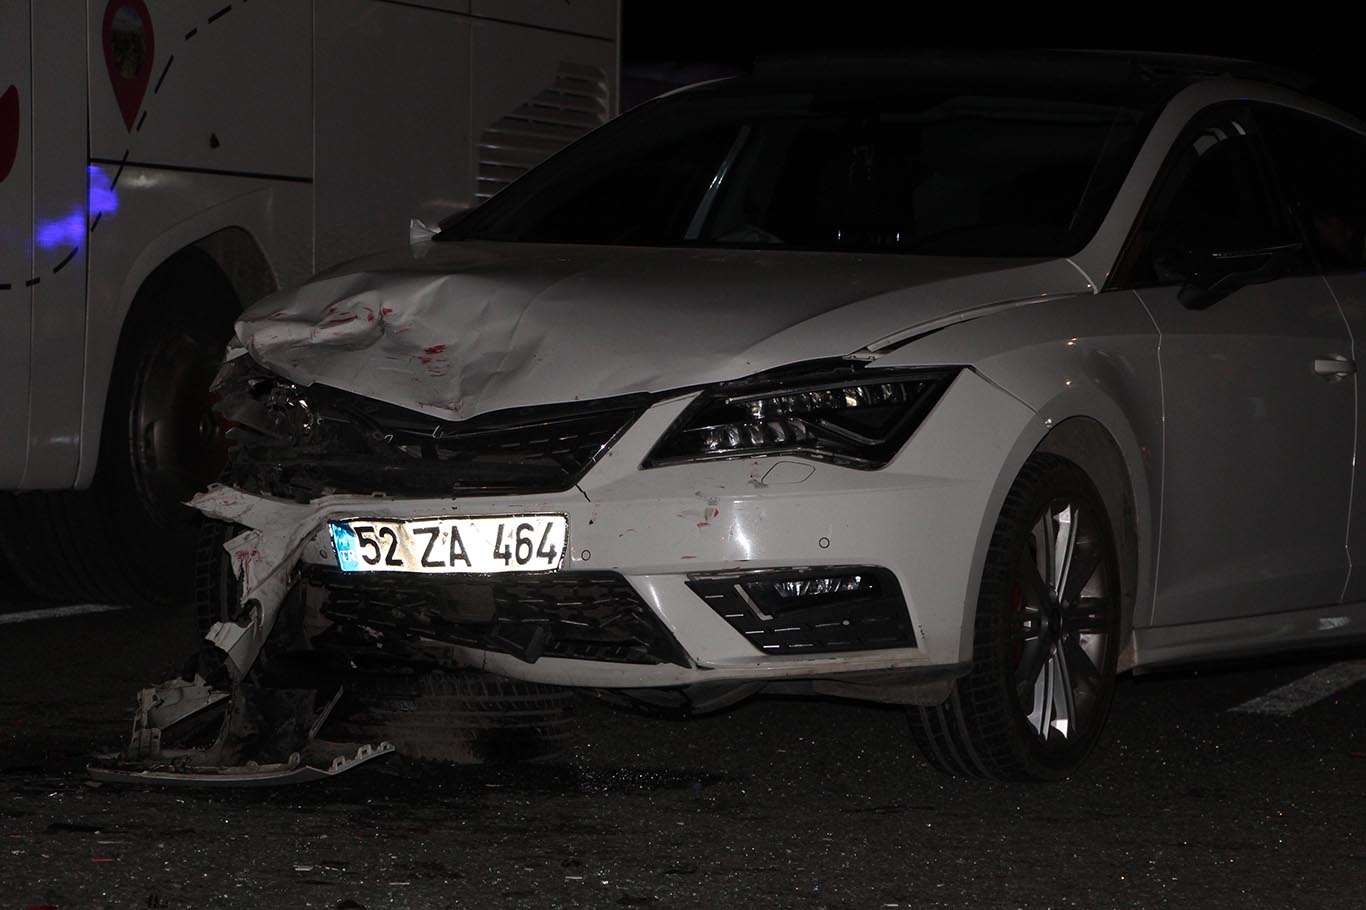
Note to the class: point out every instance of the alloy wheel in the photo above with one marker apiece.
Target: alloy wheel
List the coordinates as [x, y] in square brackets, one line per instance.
[1062, 604]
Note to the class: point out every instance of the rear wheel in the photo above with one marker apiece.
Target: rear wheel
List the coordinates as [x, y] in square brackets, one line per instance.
[1046, 637]
[159, 446]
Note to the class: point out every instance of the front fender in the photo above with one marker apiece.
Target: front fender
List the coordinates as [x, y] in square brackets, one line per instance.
[1093, 357]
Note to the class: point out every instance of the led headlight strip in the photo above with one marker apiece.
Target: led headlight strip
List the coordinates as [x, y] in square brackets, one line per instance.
[855, 416]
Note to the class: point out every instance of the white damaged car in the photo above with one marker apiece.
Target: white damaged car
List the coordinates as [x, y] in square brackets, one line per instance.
[953, 387]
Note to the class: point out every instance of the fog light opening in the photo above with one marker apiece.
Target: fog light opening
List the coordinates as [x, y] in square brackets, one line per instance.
[814, 587]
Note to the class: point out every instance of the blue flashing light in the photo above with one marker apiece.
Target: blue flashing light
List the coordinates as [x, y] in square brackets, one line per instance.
[103, 199]
[69, 229]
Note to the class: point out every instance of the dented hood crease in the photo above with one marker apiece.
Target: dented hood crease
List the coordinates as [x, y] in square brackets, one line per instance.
[459, 329]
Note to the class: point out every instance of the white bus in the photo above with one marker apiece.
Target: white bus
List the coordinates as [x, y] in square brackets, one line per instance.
[163, 163]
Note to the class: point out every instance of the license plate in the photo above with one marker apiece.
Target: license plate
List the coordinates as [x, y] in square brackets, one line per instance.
[504, 543]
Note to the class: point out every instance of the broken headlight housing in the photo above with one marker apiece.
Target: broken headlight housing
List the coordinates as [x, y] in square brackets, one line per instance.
[854, 416]
[301, 442]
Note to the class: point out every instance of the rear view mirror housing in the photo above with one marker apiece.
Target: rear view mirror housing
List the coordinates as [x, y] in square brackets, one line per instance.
[1213, 275]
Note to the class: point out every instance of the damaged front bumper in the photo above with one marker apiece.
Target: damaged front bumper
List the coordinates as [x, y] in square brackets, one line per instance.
[643, 545]
[658, 560]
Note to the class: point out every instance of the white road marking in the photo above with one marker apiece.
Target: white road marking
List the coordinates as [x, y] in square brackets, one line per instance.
[1302, 693]
[58, 612]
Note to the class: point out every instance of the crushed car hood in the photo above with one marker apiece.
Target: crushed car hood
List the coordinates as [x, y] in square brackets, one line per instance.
[458, 329]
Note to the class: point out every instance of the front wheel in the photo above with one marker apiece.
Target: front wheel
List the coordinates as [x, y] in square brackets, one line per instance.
[1046, 637]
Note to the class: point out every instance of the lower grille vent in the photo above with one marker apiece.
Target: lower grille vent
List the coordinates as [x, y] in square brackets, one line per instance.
[577, 615]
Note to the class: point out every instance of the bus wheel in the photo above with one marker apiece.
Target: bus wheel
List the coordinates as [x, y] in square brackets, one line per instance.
[129, 538]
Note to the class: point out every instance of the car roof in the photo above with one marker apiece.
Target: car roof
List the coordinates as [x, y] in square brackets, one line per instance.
[1109, 66]
[1133, 78]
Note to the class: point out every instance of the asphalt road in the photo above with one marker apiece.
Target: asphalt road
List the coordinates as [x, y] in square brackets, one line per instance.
[777, 803]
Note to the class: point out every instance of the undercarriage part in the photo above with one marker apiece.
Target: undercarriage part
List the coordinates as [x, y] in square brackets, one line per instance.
[889, 687]
[265, 737]
[577, 615]
[461, 717]
[303, 443]
[680, 701]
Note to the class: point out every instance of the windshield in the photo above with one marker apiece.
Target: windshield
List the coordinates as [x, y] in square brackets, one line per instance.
[884, 170]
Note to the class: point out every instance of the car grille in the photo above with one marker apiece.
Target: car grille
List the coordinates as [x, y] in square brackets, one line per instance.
[298, 443]
[866, 621]
[576, 615]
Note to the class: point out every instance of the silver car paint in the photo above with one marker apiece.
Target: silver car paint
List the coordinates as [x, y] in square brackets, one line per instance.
[459, 329]
[1259, 452]
[1087, 357]
[1068, 353]
[657, 526]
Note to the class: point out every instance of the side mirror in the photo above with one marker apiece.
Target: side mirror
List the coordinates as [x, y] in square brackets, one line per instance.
[1212, 276]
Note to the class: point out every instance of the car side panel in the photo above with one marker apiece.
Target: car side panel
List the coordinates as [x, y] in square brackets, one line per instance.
[1092, 356]
[1350, 292]
[1259, 448]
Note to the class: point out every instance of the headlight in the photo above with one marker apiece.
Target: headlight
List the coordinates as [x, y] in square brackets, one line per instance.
[854, 416]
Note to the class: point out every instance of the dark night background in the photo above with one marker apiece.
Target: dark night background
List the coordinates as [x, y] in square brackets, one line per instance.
[1189, 801]
[667, 44]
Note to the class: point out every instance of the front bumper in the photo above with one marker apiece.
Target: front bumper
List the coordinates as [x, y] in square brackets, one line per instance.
[924, 518]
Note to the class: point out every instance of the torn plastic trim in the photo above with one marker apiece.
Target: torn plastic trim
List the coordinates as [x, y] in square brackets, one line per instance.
[260, 725]
[262, 558]
[173, 702]
[303, 442]
[267, 736]
[925, 688]
[295, 771]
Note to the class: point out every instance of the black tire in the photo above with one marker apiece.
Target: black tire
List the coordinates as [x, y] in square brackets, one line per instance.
[159, 446]
[1002, 721]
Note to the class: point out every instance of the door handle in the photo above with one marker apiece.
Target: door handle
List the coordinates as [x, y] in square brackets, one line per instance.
[1334, 367]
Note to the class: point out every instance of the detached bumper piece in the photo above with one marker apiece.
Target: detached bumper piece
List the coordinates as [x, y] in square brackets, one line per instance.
[811, 610]
[265, 738]
[575, 615]
[302, 770]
